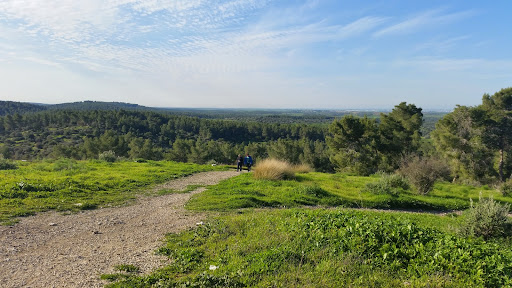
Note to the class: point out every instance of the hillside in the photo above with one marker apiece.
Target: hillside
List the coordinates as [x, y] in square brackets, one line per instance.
[10, 107]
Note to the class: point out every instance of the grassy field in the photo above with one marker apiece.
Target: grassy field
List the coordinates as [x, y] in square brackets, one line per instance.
[327, 248]
[330, 190]
[68, 185]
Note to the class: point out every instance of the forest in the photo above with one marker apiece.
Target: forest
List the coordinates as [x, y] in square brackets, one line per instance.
[473, 142]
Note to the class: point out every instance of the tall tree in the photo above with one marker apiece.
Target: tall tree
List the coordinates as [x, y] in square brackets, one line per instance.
[497, 120]
[354, 143]
[458, 139]
[400, 133]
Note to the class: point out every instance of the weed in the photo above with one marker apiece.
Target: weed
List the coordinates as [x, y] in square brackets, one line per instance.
[127, 268]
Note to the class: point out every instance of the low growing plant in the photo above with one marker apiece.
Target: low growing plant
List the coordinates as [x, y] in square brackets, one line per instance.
[7, 165]
[423, 173]
[302, 168]
[486, 219]
[108, 156]
[506, 188]
[325, 248]
[392, 184]
[273, 169]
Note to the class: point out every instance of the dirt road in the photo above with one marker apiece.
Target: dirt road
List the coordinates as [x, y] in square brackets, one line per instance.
[55, 250]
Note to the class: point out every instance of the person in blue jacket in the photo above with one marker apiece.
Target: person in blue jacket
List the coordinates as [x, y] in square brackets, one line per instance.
[248, 161]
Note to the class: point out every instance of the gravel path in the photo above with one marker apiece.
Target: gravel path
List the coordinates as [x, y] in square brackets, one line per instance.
[55, 250]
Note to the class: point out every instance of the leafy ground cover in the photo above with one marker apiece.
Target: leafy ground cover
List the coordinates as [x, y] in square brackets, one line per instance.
[67, 185]
[331, 190]
[326, 248]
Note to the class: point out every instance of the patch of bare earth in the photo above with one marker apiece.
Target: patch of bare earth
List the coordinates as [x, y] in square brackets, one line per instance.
[55, 250]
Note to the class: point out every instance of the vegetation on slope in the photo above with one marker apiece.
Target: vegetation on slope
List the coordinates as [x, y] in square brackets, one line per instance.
[332, 190]
[76, 185]
[326, 248]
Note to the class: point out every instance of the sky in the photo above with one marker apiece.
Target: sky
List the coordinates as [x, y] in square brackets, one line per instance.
[313, 54]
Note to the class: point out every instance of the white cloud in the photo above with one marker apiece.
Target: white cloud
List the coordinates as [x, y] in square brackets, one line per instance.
[421, 21]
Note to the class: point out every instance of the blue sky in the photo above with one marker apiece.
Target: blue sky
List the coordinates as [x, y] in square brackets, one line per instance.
[329, 54]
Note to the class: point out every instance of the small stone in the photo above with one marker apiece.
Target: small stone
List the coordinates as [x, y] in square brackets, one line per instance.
[96, 232]
[52, 224]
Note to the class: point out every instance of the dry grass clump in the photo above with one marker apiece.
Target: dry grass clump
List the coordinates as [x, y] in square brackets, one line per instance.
[273, 169]
[302, 168]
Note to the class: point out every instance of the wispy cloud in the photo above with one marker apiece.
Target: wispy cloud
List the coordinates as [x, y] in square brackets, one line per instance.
[421, 21]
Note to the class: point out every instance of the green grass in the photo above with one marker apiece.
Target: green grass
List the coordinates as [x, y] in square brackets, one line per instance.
[189, 189]
[68, 185]
[331, 190]
[328, 248]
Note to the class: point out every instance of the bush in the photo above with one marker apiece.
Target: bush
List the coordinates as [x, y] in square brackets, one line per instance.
[486, 219]
[7, 165]
[273, 169]
[108, 156]
[422, 173]
[506, 188]
[392, 184]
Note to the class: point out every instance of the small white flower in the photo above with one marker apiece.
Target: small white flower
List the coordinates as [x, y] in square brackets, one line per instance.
[199, 223]
[213, 267]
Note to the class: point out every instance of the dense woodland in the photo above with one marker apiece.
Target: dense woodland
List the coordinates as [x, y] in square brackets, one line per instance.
[473, 141]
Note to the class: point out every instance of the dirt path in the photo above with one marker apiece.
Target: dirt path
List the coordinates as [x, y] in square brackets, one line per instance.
[54, 250]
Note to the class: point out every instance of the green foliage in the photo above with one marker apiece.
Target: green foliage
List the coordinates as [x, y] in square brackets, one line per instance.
[392, 184]
[354, 143]
[477, 140]
[326, 248]
[400, 134]
[506, 188]
[127, 268]
[108, 156]
[7, 165]
[166, 191]
[78, 185]
[487, 219]
[424, 172]
[341, 190]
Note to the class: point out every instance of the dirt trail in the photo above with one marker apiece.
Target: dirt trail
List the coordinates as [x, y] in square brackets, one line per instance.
[55, 250]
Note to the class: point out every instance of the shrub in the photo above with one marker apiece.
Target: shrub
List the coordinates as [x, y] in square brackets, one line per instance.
[108, 156]
[422, 173]
[273, 169]
[302, 168]
[487, 219]
[392, 184]
[7, 165]
[506, 188]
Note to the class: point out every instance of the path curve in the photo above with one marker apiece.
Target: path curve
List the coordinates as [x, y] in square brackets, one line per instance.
[55, 250]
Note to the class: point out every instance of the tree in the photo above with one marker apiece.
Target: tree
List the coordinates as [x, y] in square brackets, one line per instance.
[354, 143]
[457, 138]
[400, 133]
[497, 120]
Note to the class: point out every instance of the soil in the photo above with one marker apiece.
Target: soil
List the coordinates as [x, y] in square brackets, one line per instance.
[56, 250]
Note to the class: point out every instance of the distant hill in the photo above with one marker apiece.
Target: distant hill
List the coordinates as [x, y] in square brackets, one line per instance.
[10, 107]
[97, 105]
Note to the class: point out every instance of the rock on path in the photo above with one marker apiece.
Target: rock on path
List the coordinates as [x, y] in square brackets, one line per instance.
[55, 250]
